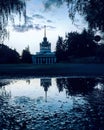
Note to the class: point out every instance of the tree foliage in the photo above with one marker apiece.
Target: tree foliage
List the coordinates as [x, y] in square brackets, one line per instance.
[11, 56]
[93, 10]
[7, 9]
[80, 45]
[59, 49]
[76, 45]
[26, 56]
[8, 55]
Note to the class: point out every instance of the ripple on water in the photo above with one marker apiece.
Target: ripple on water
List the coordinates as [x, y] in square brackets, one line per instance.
[65, 103]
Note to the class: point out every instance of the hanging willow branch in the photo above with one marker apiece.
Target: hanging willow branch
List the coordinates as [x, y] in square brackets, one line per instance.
[93, 10]
[7, 8]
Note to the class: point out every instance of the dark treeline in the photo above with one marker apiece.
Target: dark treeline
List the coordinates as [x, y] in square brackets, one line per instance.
[26, 56]
[78, 46]
[11, 56]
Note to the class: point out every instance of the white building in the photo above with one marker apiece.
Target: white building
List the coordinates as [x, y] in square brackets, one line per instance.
[45, 56]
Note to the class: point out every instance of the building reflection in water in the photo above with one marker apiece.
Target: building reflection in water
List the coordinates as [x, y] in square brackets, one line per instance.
[45, 83]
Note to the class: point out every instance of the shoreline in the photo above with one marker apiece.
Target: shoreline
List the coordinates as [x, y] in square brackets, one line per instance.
[52, 70]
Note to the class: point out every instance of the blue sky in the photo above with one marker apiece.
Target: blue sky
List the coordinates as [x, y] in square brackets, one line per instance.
[39, 14]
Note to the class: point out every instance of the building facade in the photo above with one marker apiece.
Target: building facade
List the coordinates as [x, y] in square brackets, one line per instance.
[45, 56]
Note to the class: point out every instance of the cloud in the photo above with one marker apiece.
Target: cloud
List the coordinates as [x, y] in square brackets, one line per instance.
[49, 21]
[51, 27]
[30, 25]
[38, 27]
[38, 16]
[23, 28]
[48, 4]
[29, 18]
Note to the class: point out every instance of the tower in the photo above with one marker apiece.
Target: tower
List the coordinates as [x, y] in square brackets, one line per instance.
[45, 46]
[44, 56]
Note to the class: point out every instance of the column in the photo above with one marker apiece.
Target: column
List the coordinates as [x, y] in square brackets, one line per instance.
[37, 60]
[52, 60]
[48, 60]
[34, 60]
[45, 60]
[40, 60]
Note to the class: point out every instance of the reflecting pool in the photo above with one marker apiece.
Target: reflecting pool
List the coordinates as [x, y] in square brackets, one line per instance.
[70, 103]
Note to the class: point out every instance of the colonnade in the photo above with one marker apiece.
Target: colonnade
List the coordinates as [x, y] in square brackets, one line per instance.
[44, 60]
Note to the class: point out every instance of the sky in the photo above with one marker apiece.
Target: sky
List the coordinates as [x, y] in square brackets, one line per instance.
[40, 13]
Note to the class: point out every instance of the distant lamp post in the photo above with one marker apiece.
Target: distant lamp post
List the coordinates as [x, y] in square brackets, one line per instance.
[97, 38]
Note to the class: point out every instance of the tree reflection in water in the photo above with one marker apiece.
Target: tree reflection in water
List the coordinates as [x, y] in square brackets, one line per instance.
[92, 89]
[4, 95]
[75, 86]
[82, 110]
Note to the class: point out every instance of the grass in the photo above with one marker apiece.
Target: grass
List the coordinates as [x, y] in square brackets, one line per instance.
[61, 69]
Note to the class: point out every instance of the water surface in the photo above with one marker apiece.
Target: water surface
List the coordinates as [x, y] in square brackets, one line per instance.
[52, 103]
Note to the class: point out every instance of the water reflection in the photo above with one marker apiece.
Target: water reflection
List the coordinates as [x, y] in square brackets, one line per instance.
[45, 83]
[4, 82]
[28, 81]
[74, 86]
[52, 103]
[4, 95]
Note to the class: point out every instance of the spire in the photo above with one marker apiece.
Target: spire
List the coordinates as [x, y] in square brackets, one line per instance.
[44, 30]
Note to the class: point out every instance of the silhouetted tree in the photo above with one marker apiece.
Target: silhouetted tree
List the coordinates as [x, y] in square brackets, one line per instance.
[59, 49]
[76, 45]
[81, 45]
[26, 56]
[8, 55]
[71, 43]
[100, 53]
